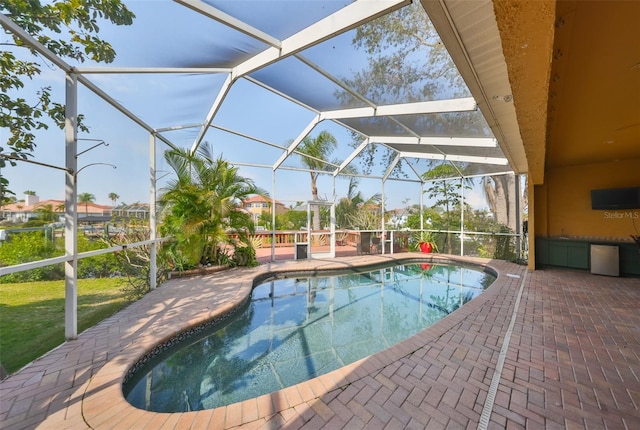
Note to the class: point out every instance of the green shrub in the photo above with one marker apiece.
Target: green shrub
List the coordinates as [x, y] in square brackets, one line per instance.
[245, 256]
[100, 266]
[26, 247]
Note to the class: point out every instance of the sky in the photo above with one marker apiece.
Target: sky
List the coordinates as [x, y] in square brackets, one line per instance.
[162, 100]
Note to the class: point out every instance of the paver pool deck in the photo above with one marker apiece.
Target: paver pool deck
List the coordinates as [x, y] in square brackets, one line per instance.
[544, 349]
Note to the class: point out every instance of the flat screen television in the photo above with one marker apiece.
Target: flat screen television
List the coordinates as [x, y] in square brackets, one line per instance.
[615, 198]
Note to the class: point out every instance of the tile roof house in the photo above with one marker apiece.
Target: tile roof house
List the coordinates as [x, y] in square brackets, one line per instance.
[28, 209]
[255, 205]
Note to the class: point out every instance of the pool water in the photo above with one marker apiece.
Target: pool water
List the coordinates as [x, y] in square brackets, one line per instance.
[297, 328]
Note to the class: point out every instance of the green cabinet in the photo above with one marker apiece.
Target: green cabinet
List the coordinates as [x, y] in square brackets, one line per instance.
[629, 259]
[568, 253]
[576, 254]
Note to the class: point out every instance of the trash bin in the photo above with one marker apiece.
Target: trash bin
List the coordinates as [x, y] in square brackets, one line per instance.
[301, 251]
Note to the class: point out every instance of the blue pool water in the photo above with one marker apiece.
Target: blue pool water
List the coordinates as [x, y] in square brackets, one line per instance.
[297, 328]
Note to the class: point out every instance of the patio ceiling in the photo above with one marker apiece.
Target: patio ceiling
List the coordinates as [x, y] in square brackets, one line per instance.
[195, 55]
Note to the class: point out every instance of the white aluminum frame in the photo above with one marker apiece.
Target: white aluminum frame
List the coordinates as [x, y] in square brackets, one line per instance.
[347, 18]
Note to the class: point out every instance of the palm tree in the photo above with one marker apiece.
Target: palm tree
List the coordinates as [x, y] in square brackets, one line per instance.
[202, 206]
[319, 148]
[7, 200]
[86, 198]
[47, 213]
[500, 192]
[353, 211]
[114, 198]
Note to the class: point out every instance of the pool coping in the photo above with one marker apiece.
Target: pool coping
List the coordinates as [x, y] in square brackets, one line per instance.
[103, 402]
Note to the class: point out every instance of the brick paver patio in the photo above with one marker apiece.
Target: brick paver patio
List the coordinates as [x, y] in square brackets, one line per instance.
[544, 349]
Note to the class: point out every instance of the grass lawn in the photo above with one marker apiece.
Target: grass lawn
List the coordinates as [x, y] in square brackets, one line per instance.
[32, 315]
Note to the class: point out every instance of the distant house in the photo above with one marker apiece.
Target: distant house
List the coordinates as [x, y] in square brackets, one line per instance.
[397, 218]
[372, 208]
[135, 210]
[90, 210]
[256, 205]
[23, 211]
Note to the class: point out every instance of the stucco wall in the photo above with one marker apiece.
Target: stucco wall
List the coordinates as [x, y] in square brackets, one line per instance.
[563, 203]
[527, 29]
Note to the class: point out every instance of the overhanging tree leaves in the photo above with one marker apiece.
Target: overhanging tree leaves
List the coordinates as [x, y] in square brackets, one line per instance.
[69, 29]
[396, 44]
[406, 62]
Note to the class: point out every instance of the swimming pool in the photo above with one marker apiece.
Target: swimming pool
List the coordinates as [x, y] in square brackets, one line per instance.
[296, 328]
